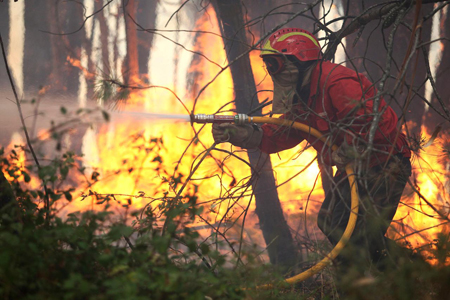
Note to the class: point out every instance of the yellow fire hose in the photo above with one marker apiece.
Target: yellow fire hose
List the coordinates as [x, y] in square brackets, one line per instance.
[242, 119]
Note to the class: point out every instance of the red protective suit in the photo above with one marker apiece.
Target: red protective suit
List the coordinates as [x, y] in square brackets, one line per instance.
[340, 106]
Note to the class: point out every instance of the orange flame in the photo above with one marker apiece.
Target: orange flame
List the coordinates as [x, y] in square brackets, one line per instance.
[135, 165]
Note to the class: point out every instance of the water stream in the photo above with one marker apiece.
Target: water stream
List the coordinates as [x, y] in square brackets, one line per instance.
[153, 116]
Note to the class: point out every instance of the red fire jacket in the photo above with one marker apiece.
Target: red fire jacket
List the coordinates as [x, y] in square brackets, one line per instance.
[340, 106]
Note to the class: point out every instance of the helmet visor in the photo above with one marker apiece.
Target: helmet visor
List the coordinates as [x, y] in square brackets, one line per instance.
[274, 64]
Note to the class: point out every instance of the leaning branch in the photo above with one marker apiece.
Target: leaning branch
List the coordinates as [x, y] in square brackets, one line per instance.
[375, 12]
[47, 201]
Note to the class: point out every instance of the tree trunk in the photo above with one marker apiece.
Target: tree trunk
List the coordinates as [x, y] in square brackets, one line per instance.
[131, 66]
[432, 119]
[146, 17]
[369, 57]
[411, 109]
[68, 22]
[37, 50]
[268, 208]
[4, 30]
[255, 10]
[104, 34]
[58, 59]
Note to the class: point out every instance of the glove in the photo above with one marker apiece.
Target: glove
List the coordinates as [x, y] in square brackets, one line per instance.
[345, 154]
[244, 136]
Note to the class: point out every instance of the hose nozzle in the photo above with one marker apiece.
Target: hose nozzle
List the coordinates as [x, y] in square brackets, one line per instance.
[238, 119]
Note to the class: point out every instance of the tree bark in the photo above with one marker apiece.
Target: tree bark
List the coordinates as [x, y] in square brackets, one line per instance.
[412, 106]
[37, 50]
[132, 66]
[368, 56]
[433, 119]
[104, 34]
[268, 208]
[280, 11]
[4, 30]
[146, 17]
[57, 75]
[68, 22]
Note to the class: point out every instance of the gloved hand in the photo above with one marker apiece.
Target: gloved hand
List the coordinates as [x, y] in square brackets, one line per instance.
[345, 154]
[244, 136]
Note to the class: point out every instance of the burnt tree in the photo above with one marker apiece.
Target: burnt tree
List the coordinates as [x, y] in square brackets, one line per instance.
[70, 21]
[263, 18]
[368, 57]
[4, 31]
[37, 58]
[438, 112]
[275, 230]
[104, 34]
[146, 18]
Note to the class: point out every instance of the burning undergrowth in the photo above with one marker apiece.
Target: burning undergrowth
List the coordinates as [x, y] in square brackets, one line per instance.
[134, 164]
[183, 201]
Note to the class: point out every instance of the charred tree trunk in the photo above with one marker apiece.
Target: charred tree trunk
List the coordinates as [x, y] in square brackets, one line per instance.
[37, 50]
[4, 30]
[368, 55]
[131, 62]
[369, 58]
[146, 17]
[268, 208]
[104, 34]
[58, 59]
[432, 118]
[265, 22]
[68, 22]
[417, 75]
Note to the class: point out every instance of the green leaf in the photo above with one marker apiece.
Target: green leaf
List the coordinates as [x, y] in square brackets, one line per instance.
[64, 170]
[192, 245]
[26, 176]
[119, 230]
[205, 248]
[63, 110]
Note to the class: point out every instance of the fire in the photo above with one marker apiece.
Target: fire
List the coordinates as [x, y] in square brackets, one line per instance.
[19, 163]
[417, 223]
[78, 64]
[134, 161]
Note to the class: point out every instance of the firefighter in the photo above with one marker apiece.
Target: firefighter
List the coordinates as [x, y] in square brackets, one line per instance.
[338, 102]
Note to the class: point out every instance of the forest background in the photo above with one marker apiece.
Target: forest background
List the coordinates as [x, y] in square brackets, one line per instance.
[110, 172]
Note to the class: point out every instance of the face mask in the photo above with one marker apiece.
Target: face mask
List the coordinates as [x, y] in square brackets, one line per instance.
[284, 88]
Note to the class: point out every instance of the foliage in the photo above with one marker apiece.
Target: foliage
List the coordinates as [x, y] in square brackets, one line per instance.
[85, 255]
[95, 254]
[412, 277]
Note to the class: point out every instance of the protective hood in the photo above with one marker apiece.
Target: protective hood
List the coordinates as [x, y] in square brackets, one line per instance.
[284, 89]
[287, 84]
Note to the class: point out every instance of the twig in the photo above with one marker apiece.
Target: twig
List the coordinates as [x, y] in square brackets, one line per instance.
[46, 200]
[129, 242]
